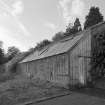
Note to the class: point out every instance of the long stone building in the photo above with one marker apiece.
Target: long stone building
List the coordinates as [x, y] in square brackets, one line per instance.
[67, 61]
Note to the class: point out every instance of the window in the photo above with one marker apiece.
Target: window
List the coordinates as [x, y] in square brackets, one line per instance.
[43, 51]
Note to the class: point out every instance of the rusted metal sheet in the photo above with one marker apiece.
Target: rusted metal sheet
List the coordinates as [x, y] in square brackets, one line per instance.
[79, 66]
[54, 69]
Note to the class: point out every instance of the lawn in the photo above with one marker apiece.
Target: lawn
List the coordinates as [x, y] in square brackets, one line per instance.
[19, 90]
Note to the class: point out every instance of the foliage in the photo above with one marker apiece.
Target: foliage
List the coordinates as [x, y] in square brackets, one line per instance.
[22, 90]
[94, 17]
[1, 44]
[77, 25]
[11, 65]
[31, 50]
[2, 55]
[98, 53]
[42, 44]
[74, 29]
[2, 58]
[5, 77]
[58, 36]
[69, 30]
[12, 52]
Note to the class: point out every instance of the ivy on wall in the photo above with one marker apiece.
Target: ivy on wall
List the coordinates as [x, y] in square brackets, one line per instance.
[98, 55]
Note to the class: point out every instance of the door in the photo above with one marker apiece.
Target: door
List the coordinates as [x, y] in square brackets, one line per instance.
[81, 70]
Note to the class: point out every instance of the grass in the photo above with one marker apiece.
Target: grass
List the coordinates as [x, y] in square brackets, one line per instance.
[19, 90]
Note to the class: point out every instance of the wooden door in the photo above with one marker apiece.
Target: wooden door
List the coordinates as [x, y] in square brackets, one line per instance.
[81, 70]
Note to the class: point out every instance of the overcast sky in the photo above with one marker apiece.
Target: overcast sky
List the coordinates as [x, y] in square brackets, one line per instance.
[23, 23]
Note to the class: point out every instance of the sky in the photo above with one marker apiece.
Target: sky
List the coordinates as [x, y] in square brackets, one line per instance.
[24, 23]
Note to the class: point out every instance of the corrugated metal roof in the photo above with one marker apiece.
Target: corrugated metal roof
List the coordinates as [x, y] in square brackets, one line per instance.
[54, 49]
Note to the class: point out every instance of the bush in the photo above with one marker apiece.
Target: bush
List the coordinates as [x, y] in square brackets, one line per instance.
[79, 86]
[2, 69]
[4, 77]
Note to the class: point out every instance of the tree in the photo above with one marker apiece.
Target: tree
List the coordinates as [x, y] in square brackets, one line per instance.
[2, 55]
[70, 30]
[77, 25]
[12, 52]
[31, 49]
[58, 36]
[1, 44]
[2, 58]
[42, 44]
[94, 17]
